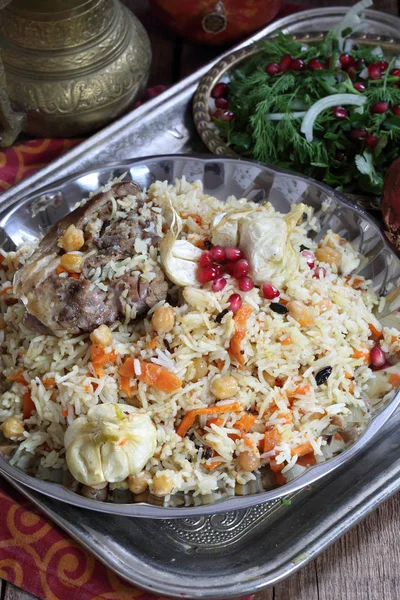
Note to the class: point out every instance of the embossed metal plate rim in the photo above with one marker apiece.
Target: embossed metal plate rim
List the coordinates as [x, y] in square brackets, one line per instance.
[313, 474]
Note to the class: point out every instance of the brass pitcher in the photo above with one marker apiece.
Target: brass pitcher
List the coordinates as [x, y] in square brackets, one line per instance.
[69, 66]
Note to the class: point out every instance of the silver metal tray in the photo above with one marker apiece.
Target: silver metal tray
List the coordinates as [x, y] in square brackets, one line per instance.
[241, 552]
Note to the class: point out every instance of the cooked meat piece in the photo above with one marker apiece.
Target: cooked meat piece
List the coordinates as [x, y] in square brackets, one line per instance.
[59, 303]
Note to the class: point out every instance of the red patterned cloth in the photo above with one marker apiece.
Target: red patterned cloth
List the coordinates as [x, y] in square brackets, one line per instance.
[34, 554]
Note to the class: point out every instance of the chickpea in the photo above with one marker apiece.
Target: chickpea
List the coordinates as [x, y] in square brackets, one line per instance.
[101, 336]
[224, 387]
[249, 460]
[163, 483]
[163, 319]
[200, 368]
[72, 239]
[328, 255]
[95, 492]
[143, 497]
[137, 484]
[12, 428]
[72, 262]
[303, 314]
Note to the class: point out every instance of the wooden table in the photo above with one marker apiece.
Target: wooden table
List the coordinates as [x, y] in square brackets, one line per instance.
[364, 564]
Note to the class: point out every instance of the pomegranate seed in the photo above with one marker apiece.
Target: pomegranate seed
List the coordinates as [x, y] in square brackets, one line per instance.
[221, 103]
[233, 254]
[218, 254]
[371, 141]
[205, 260]
[206, 274]
[235, 302]
[380, 107]
[218, 271]
[339, 112]
[359, 86]
[356, 134]
[272, 69]
[374, 71]
[229, 268]
[319, 272]
[219, 91]
[395, 72]
[298, 64]
[241, 268]
[346, 60]
[269, 291]
[396, 110]
[382, 65]
[377, 357]
[340, 156]
[352, 72]
[360, 64]
[314, 64]
[227, 115]
[218, 284]
[310, 258]
[245, 284]
[286, 62]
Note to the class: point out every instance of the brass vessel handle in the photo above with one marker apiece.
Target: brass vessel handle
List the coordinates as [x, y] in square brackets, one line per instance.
[11, 122]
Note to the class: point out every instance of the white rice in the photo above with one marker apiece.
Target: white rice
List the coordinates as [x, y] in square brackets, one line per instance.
[267, 384]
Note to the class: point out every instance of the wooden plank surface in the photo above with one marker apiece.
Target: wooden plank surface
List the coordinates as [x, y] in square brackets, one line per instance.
[364, 564]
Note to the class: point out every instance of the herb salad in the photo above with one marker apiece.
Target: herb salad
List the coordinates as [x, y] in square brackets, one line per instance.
[330, 110]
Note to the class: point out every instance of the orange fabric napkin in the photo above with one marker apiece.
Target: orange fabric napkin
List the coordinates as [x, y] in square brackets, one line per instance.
[39, 558]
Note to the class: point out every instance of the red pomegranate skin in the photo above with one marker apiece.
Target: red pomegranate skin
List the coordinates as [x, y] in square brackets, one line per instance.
[390, 204]
[243, 17]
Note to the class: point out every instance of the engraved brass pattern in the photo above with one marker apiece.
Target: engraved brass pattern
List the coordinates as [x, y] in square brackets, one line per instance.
[57, 34]
[100, 69]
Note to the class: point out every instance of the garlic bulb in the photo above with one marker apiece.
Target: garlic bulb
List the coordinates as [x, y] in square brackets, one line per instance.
[110, 443]
[179, 258]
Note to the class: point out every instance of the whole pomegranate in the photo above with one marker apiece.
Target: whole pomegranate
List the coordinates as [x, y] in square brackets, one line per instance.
[391, 203]
[215, 21]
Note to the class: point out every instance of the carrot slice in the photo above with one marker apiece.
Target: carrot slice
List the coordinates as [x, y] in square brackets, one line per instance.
[375, 332]
[49, 382]
[394, 379]
[280, 479]
[190, 417]
[245, 423]
[361, 354]
[307, 460]
[240, 320]
[274, 465]
[213, 465]
[286, 341]
[5, 290]
[28, 404]
[18, 377]
[127, 369]
[217, 421]
[101, 358]
[303, 449]
[152, 374]
[159, 377]
[301, 390]
[271, 439]
[126, 385]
